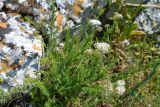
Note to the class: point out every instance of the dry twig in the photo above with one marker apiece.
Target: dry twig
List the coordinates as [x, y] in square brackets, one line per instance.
[143, 5]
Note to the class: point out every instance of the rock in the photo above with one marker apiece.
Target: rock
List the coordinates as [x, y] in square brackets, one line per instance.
[74, 11]
[20, 50]
[37, 8]
[149, 19]
[1, 4]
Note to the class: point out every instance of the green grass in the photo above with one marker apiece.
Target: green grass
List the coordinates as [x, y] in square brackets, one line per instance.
[73, 77]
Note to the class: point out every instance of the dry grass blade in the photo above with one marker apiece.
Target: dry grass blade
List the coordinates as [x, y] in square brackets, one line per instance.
[143, 5]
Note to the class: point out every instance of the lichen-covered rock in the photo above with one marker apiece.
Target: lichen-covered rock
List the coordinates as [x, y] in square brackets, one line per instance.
[20, 50]
[37, 8]
[149, 19]
[72, 12]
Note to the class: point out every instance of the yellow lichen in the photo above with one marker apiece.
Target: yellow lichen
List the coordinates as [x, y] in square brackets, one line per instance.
[35, 47]
[77, 9]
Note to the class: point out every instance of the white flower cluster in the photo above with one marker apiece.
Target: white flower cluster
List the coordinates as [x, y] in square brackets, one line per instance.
[121, 87]
[95, 22]
[103, 47]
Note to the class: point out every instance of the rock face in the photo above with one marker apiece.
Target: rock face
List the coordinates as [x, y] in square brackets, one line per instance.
[39, 9]
[149, 19]
[20, 44]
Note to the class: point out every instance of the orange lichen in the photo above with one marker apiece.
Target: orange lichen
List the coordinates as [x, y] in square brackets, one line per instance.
[3, 25]
[5, 68]
[77, 9]
[59, 20]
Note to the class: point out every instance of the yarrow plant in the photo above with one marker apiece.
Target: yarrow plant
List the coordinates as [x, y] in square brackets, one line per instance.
[103, 47]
